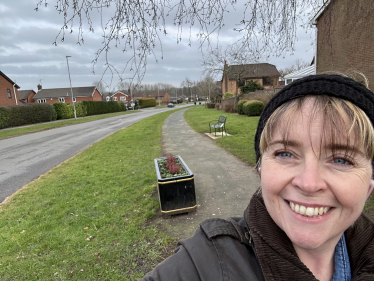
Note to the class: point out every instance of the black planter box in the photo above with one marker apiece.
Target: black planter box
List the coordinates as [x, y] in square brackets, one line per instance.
[176, 194]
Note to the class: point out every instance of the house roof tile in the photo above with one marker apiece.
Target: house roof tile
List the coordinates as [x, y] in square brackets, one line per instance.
[65, 92]
[156, 94]
[22, 95]
[248, 71]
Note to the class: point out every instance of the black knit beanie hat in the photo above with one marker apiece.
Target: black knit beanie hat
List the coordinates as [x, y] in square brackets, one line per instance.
[324, 84]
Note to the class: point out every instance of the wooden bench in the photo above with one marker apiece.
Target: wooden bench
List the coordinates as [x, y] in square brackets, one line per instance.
[218, 125]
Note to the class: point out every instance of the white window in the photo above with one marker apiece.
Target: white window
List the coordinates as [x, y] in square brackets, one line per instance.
[123, 98]
[42, 101]
[74, 100]
[115, 98]
[61, 99]
[108, 98]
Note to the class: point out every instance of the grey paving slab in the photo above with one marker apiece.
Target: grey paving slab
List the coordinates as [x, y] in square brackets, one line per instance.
[224, 184]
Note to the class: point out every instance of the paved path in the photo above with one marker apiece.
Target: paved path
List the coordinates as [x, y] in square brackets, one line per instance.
[224, 184]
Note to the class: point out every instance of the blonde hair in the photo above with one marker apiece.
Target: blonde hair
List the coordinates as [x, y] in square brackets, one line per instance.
[341, 119]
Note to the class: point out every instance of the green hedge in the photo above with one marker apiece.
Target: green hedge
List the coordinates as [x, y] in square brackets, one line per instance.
[253, 108]
[63, 110]
[101, 107]
[228, 95]
[241, 106]
[19, 115]
[147, 102]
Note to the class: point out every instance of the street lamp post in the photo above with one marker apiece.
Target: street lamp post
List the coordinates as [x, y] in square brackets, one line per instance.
[71, 88]
[158, 93]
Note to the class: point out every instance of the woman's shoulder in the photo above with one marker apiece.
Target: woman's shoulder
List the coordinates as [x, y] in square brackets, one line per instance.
[217, 249]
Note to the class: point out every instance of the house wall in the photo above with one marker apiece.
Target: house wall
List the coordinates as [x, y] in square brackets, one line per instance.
[96, 96]
[68, 99]
[4, 86]
[30, 98]
[166, 98]
[345, 38]
[119, 95]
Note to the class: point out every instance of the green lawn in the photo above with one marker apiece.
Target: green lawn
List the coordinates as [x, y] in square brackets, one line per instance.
[88, 219]
[41, 127]
[243, 129]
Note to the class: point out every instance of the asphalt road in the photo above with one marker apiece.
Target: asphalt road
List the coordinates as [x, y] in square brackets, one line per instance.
[25, 158]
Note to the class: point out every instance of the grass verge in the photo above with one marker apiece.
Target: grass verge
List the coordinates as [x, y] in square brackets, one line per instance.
[46, 126]
[241, 127]
[241, 143]
[86, 219]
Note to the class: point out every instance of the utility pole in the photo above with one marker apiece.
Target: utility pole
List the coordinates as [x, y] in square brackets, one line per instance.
[71, 88]
[176, 96]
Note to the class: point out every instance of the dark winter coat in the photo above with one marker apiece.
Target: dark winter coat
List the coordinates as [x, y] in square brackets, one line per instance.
[255, 248]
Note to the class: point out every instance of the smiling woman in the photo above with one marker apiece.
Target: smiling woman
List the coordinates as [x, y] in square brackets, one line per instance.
[314, 145]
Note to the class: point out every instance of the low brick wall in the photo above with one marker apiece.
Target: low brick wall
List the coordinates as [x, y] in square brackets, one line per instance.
[229, 104]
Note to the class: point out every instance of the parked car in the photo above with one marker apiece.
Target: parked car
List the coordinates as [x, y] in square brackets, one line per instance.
[170, 104]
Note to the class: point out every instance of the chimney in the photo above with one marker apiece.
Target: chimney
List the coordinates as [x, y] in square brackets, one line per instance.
[39, 87]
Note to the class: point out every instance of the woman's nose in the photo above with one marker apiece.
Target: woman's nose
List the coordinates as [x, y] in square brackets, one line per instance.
[309, 177]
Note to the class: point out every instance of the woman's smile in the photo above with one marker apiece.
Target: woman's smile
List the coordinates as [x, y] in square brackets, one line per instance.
[310, 185]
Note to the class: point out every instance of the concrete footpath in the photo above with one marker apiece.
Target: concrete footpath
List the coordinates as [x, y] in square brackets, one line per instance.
[224, 184]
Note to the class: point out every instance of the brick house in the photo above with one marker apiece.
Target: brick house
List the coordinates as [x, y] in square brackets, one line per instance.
[26, 96]
[64, 95]
[120, 97]
[345, 37]
[164, 96]
[140, 96]
[8, 91]
[265, 74]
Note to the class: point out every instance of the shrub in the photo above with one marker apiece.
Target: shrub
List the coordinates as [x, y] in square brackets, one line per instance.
[4, 117]
[54, 113]
[228, 95]
[252, 86]
[147, 102]
[240, 106]
[18, 115]
[63, 110]
[101, 107]
[218, 97]
[210, 105]
[253, 108]
[80, 109]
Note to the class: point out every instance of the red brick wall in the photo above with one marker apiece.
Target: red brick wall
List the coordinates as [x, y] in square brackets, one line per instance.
[96, 96]
[4, 86]
[30, 98]
[119, 95]
[345, 38]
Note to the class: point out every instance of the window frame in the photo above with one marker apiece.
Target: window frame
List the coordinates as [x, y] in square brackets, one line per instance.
[61, 100]
[9, 93]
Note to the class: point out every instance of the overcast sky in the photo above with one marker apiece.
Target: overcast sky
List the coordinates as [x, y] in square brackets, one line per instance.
[27, 55]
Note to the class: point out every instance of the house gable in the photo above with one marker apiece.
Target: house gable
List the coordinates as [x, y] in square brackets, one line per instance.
[345, 38]
[8, 91]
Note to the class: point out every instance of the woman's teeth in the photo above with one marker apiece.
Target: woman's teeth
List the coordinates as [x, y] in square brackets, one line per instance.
[308, 211]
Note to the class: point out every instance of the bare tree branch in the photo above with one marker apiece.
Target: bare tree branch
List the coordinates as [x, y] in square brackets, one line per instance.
[268, 27]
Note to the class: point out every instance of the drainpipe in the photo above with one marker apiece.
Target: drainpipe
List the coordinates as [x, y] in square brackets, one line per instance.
[15, 95]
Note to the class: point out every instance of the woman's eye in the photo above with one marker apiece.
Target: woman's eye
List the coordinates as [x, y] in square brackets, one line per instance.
[341, 161]
[284, 154]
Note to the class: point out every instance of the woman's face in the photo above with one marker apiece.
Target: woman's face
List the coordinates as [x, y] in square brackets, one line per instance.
[311, 194]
